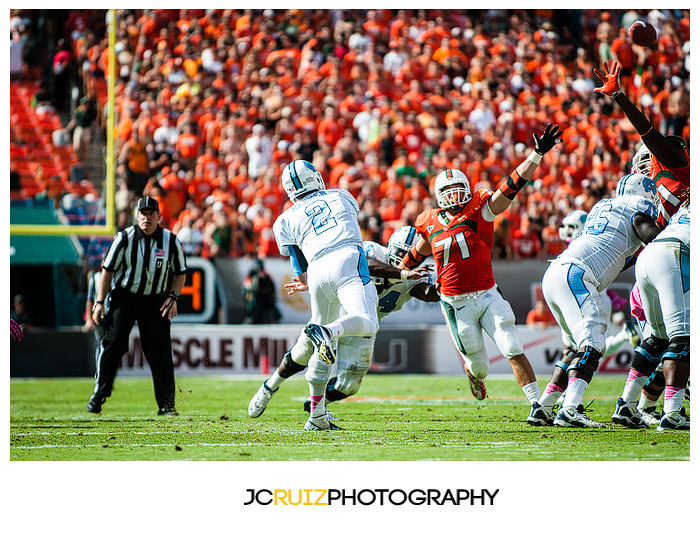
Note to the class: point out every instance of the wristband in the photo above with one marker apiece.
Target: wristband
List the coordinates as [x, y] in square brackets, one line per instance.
[616, 93]
[534, 157]
[404, 274]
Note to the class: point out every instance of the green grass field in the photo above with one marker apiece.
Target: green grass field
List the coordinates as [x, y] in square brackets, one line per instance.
[401, 417]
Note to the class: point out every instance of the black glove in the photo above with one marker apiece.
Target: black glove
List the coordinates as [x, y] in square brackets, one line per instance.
[549, 139]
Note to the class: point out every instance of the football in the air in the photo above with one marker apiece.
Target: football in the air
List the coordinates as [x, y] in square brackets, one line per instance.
[642, 33]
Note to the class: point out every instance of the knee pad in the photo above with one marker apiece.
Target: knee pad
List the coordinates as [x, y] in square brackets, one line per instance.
[651, 349]
[678, 350]
[586, 362]
[333, 394]
[643, 365]
[292, 366]
[566, 359]
[479, 369]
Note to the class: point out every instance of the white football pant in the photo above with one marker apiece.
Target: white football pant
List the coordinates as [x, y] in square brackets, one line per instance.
[663, 275]
[578, 307]
[468, 314]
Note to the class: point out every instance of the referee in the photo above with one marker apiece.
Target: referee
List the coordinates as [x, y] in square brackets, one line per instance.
[143, 272]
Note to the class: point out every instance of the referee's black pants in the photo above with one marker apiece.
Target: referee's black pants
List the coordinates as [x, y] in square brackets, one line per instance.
[125, 309]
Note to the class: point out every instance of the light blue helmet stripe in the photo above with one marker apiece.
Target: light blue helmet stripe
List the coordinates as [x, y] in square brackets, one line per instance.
[294, 176]
[411, 234]
[621, 185]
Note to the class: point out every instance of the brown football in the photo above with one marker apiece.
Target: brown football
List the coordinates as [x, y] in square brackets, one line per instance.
[642, 33]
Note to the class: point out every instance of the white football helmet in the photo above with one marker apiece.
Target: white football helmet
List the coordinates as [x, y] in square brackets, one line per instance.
[300, 177]
[641, 161]
[452, 189]
[400, 243]
[572, 225]
[636, 184]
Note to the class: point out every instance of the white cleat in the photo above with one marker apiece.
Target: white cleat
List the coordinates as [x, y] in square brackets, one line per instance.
[322, 422]
[571, 417]
[323, 342]
[259, 402]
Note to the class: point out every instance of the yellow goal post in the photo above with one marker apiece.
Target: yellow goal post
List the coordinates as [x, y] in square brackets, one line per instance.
[109, 184]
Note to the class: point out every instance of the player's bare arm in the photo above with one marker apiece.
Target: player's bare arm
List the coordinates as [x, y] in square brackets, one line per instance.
[378, 268]
[666, 151]
[502, 198]
[425, 292]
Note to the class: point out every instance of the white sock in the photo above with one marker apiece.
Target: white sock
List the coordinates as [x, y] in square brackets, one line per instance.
[532, 392]
[633, 386]
[574, 392]
[645, 402]
[318, 400]
[673, 399]
[274, 381]
[550, 396]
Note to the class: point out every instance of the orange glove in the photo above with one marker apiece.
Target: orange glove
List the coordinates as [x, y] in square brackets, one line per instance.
[611, 80]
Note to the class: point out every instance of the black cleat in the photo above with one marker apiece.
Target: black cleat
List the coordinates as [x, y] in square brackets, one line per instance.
[167, 411]
[94, 405]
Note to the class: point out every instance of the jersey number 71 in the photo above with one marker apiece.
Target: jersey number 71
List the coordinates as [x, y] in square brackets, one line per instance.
[446, 244]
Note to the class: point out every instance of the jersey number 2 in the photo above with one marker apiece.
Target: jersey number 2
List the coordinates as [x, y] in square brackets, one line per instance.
[446, 244]
[320, 214]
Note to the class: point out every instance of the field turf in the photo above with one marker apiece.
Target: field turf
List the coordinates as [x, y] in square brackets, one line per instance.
[398, 417]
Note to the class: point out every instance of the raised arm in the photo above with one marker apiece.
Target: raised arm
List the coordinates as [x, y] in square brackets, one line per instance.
[664, 150]
[503, 197]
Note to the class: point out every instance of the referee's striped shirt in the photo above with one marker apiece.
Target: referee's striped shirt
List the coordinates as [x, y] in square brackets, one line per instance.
[144, 265]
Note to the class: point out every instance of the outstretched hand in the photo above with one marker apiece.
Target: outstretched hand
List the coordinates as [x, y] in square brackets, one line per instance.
[550, 137]
[611, 79]
[420, 272]
[296, 286]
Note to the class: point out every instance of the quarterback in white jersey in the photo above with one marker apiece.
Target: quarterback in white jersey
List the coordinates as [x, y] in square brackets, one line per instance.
[321, 235]
[394, 287]
[614, 230]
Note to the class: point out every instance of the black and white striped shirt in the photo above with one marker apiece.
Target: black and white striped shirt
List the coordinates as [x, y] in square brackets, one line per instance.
[144, 265]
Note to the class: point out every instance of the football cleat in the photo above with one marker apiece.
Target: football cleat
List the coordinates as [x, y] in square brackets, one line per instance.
[260, 400]
[478, 387]
[632, 333]
[627, 414]
[322, 422]
[169, 412]
[540, 415]
[574, 417]
[673, 421]
[94, 405]
[650, 416]
[323, 342]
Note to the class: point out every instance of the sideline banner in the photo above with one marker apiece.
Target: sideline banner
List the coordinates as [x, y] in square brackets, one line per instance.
[249, 349]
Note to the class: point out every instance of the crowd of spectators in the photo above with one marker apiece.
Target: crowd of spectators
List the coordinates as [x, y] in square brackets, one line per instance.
[212, 104]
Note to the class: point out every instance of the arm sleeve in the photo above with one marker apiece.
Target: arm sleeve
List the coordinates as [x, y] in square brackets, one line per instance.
[179, 262]
[299, 264]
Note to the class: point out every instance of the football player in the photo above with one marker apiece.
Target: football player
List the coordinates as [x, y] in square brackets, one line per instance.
[663, 275]
[394, 288]
[322, 237]
[572, 285]
[460, 234]
[663, 158]
[542, 413]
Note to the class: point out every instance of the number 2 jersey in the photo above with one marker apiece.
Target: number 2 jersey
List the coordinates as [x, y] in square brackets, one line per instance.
[319, 223]
[608, 239]
[461, 246]
[392, 293]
